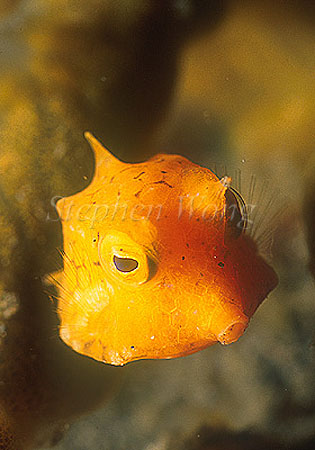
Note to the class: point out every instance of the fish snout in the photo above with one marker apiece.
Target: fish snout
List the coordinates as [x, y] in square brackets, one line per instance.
[229, 325]
[232, 332]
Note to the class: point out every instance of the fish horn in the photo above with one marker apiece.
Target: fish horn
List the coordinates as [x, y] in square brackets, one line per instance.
[104, 159]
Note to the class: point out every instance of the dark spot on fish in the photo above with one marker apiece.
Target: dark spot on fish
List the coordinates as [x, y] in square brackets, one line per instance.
[96, 263]
[132, 347]
[231, 301]
[124, 170]
[201, 274]
[183, 258]
[221, 264]
[104, 353]
[163, 182]
[88, 345]
[187, 245]
[138, 193]
[139, 175]
[94, 239]
[163, 171]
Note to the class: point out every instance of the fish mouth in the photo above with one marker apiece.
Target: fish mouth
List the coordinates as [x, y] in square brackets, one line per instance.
[232, 332]
[228, 324]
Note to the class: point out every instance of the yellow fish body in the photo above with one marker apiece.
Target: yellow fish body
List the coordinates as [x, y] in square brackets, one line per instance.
[155, 263]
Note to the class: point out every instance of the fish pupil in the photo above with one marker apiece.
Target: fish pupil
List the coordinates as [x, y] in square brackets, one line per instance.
[125, 264]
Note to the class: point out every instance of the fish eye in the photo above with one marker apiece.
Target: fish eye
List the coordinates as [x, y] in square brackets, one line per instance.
[235, 214]
[125, 264]
[125, 260]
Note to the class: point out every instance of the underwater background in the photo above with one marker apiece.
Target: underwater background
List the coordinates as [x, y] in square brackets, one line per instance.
[220, 82]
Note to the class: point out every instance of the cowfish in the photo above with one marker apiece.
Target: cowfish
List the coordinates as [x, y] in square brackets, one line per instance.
[157, 263]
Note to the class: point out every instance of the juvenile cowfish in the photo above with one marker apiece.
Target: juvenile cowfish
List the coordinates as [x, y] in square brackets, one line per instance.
[156, 261]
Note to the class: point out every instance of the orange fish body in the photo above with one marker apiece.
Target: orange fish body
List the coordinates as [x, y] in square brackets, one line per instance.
[154, 266]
